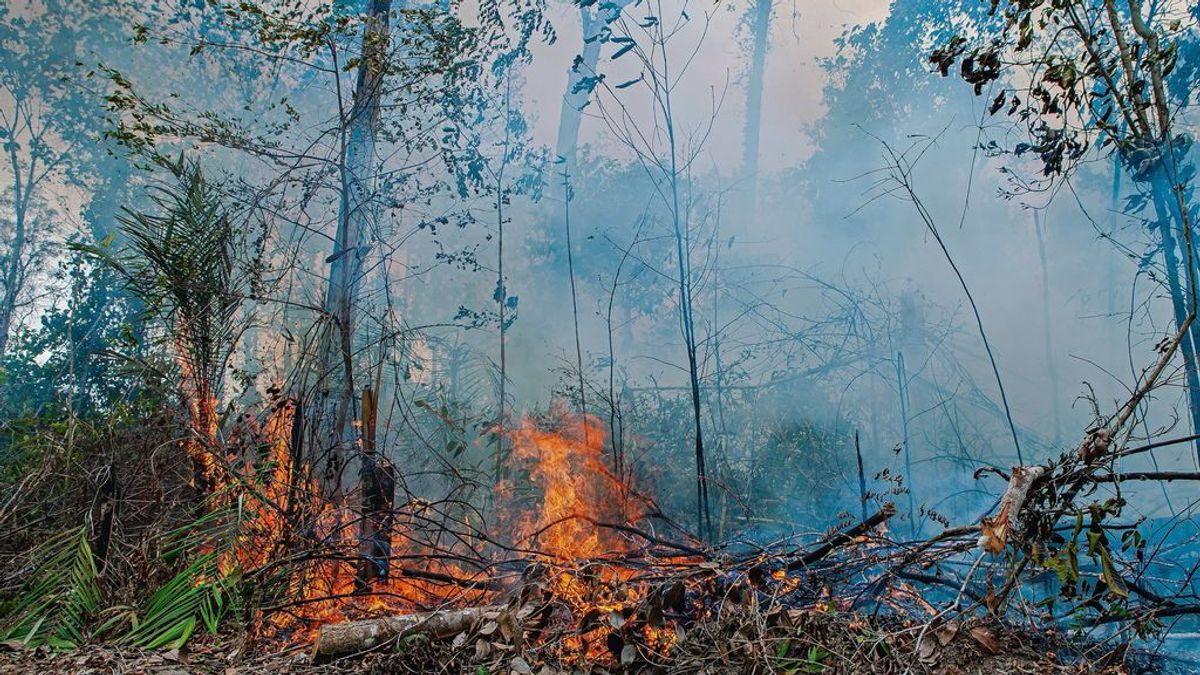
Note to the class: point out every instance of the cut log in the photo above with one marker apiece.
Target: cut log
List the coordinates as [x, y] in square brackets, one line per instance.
[341, 639]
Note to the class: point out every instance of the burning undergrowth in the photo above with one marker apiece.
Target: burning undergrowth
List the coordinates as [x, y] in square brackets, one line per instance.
[567, 565]
[579, 536]
[588, 572]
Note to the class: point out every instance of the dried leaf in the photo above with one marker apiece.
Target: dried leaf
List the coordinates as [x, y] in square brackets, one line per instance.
[946, 632]
[628, 655]
[986, 639]
[927, 651]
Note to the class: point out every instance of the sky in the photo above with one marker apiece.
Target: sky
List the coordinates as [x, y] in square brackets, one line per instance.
[803, 32]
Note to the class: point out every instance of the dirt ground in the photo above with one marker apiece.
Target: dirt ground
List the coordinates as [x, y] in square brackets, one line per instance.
[952, 649]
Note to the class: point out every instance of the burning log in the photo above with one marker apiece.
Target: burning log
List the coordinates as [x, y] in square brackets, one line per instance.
[342, 639]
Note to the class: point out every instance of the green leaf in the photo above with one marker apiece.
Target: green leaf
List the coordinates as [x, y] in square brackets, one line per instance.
[1109, 574]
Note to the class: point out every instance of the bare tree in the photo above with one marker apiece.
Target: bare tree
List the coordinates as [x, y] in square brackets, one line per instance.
[666, 152]
[358, 177]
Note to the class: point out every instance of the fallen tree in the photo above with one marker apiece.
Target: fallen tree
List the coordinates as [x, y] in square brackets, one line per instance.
[341, 639]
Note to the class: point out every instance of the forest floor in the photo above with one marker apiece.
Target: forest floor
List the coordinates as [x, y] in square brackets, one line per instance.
[834, 644]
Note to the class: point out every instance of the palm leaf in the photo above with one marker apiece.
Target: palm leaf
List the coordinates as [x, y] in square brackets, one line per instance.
[60, 596]
[199, 594]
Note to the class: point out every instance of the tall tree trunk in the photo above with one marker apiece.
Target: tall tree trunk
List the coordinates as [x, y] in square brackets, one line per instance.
[501, 294]
[575, 99]
[1047, 336]
[1180, 300]
[332, 431]
[14, 271]
[754, 97]
[12, 279]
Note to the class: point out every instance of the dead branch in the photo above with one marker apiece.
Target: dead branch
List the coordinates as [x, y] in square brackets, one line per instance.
[1147, 475]
[844, 537]
[995, 531]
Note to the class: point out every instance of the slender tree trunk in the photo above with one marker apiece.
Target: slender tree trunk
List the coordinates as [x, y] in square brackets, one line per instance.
[332, 431]
[703, 513]
[501, 294]
[1179, 303]
[574, 300]
[723, 435]
[862, 477]
[902, 384]
[1047, 336]
[14, 272]
[754, 98]
[12, 279]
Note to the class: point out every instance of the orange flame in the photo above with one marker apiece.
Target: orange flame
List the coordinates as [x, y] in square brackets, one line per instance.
[569, 507]
[579, 493]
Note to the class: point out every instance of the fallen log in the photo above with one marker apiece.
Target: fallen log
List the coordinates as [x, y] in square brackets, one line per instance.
[341, 639]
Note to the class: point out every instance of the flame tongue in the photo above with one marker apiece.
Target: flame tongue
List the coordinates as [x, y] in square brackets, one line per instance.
[568, 502]
[578, 491]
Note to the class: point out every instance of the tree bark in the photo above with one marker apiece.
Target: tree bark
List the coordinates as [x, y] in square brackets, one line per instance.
[1179, 306]
[341, 639]
[378, 482]
[574, 100]
[754, 96]
[14, 271]
[331, 427]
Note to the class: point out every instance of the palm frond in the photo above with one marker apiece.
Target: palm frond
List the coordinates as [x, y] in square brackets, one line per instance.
[201, 594]
[61, 595]
[169, 617]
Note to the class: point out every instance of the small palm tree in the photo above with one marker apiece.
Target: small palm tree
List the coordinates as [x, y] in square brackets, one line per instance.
[180, 262]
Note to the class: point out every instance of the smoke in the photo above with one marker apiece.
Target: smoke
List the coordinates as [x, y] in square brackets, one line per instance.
[805, 302]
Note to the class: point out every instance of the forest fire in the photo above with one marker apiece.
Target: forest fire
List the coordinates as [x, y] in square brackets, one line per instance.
[566, 516]
[494, 337]
[578, 492]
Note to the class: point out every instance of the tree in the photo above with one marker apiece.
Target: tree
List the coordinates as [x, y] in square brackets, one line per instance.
[666, 152]
[47, 132]
[357, 167]
[759, 18]
[1100, 85]
[594, 22]
[181, 263]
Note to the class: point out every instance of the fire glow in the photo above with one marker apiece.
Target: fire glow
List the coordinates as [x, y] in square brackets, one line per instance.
[562, 503]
